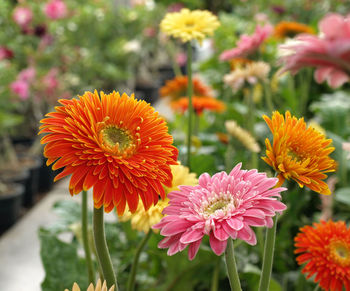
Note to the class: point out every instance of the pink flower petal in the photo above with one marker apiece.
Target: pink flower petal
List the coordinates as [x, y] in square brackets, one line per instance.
[217, 246]
[193, 249]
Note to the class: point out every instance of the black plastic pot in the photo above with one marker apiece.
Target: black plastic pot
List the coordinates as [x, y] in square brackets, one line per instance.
[147, 93]
[46, 176]
[33, 165]
[10, 206]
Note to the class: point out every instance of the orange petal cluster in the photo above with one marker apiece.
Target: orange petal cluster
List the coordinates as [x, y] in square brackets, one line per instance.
[199, 104]
[116, 144]
[298, 152]
[325, 249]
[177, 88]
[291, 29]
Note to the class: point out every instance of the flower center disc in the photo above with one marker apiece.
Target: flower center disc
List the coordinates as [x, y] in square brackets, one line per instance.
[117, 140]
[340, 252]
[216, 206]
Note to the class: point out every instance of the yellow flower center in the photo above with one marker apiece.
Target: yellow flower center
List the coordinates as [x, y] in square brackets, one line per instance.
[117, 140]
[190, 23]
[216, 206]
[294, 155]
[340, 253]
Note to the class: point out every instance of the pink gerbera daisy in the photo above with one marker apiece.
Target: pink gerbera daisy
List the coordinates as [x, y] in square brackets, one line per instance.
[221, 206]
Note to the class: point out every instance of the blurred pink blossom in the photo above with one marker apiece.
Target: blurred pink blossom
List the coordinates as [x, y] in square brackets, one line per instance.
[20, 88]
[22, 16]
[181, 59]
[50, 81]
[248, 44]
[55, 9]
[149, 31]
[5, 53]
[329, 53]
[27, 75]
[175, 7]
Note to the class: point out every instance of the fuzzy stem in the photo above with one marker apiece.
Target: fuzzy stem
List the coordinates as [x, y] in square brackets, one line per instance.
[190, 107]
[268, 256]
[232, 267]
[103, 256]
[268, 97]
[85, 227]
[132, 275]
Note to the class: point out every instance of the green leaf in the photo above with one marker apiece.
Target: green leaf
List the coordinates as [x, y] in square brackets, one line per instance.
[203, 163]
[62, 264]
[343, 195]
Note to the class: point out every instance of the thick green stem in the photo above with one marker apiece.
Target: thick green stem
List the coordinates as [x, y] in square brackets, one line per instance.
[317, 287]
[268, 97]
[103, 256]
[190, 107]
[232, 267]
[85, 233]
[215, 279]
[132, 275]
[268, 256]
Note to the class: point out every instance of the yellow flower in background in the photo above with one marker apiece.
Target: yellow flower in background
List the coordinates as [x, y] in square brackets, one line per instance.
[290, 29]
[243, 136]
[143, 220]
[298, 152]
[99, 287]
[188, 25]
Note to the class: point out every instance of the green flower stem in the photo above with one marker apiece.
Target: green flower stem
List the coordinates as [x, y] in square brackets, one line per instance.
[190, 107]
[172, 52]
[317, 287]
[268, 97]
[215, 278]
[103, 256]
[232, 267]
[268, 256]
[251, 126]
[132, 275]
[85, 233]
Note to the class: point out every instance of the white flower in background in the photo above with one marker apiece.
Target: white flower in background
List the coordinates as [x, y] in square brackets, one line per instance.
[252, 73]
[346, 147]
[132, 46]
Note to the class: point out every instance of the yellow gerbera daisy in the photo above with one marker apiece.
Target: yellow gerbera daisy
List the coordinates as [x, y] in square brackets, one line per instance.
[143, 220]
[188, 25]
[299, 152]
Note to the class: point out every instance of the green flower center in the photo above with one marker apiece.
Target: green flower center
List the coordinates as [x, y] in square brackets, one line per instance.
[114, 136]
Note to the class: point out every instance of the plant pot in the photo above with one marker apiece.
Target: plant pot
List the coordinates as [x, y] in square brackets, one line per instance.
[46, 176]
[10, 205]
[33, 165]
[165, 74]
[146, 92]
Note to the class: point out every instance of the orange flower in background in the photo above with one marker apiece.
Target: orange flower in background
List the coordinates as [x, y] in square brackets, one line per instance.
[115, 144]
[177, 88]
[298, 152]
[290, 29]
[199, 104]
[325, 249]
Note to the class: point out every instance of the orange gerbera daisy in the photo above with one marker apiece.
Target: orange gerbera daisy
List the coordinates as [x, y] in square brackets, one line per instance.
[290, 29]
[177, 88]
[199, 104]
[299, 152]
[115, 144]
[325, 248]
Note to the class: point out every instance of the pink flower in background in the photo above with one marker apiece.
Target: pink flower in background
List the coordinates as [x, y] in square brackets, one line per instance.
[50, 81]
[175, 7]
[55, 9]
[149, 31]
[27, 75]
[5, 53]
[248, 44]
[221, 206]
[22, 16]
[20, 88]
[328, 53]
[181, 59]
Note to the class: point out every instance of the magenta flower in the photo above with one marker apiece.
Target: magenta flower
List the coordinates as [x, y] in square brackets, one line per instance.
[55, 9]
[221, 206]
[328, 53]
[248, 44]
[5, 53]
[27, 75]
[20, 88]
[22, 16]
